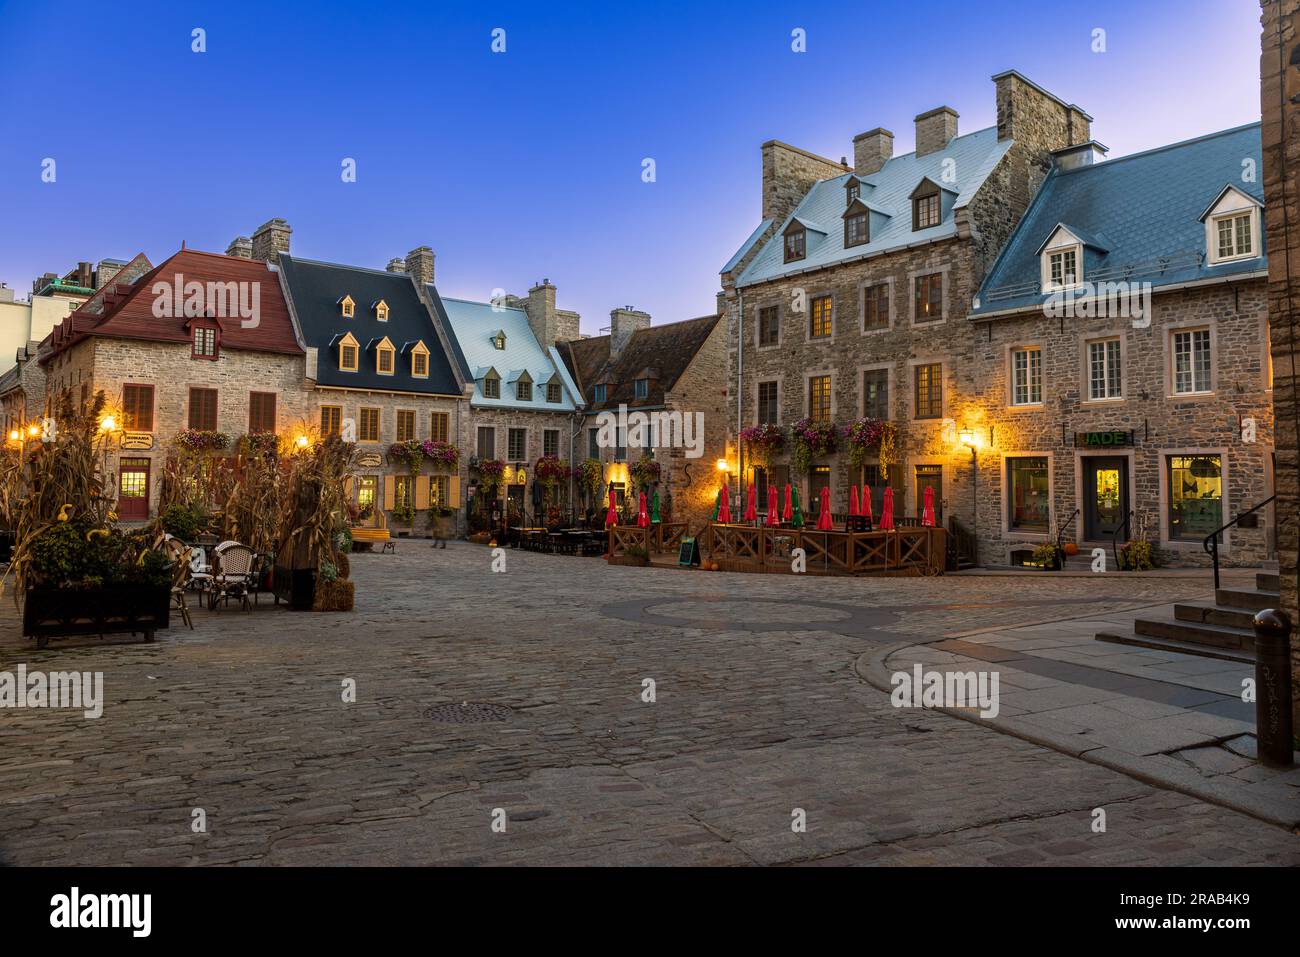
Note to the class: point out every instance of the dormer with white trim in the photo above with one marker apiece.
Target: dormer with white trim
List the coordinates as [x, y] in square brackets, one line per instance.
[1232, 227]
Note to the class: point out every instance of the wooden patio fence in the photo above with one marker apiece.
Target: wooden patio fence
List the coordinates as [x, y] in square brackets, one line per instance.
[913, 549]
[657, 538]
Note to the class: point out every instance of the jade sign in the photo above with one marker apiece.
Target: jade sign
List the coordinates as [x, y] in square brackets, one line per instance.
[1107, 440]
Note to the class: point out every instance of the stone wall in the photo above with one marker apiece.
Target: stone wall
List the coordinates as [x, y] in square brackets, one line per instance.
[1280, 107]
[535, 424]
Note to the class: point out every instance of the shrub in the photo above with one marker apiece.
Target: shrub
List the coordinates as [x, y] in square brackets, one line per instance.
[186, 522]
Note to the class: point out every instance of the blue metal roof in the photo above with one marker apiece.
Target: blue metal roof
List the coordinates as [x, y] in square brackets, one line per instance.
[475, 324]
[887, 192]
[1141, 216]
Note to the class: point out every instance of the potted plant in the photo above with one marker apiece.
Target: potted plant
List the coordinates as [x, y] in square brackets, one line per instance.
[1048, 557]
[635, 555]
[1137, 555]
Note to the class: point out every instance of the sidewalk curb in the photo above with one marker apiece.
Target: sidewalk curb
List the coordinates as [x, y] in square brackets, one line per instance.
[871, 667]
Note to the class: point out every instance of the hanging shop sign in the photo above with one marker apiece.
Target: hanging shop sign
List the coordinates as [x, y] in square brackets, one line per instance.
[137, 441]
[1115, 438]
[369, 460]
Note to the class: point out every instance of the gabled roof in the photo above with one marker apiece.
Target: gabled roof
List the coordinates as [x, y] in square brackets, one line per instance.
[474, 325]
[668, 349]
[1083, 236]
[125, 310]
[316, 288]
[1140, 215]
[973, 156]
[1230, 188]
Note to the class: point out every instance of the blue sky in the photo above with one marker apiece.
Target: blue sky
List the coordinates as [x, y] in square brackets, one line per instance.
[527, 164]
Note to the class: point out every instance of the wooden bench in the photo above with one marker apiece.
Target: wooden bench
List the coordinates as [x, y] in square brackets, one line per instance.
[375, 536]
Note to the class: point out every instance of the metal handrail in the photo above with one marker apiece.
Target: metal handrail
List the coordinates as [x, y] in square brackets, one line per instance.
[1060, 529]
[1114, 536]
[1211, 543]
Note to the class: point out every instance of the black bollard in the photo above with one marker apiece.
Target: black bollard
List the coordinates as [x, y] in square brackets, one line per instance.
[1273, 730]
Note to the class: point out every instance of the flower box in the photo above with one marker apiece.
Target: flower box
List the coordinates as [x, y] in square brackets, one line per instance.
[50, 612]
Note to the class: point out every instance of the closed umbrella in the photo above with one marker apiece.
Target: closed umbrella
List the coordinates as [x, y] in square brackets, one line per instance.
[611, 517]
[724, 509]
[866, 503]
[824, 523]
[887, 510]
[787, 513]
[751, 505]
[796, 519]
[854, 510]
[927, 511]
[642, 516]
[773, 509]
[717, 506]
[654, 508]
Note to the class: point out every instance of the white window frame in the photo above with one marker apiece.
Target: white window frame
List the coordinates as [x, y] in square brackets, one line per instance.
[1029, 381]
[1233, 204]
[1208, 383]
[1108, 395]
[1063, 241]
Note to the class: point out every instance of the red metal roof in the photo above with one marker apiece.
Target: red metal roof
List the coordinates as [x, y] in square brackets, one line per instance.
[128, 311]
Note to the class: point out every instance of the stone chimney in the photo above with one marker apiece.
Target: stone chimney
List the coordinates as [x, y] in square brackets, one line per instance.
[419, 263]
[270, 239]
[106, 270]
[241, 247]
[622, 324]
[396, 265]
[788, 174]
[1027, 112]
[871, 150]
[934, 129]
[543, 318]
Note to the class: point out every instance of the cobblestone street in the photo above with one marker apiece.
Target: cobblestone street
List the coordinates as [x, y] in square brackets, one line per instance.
[758, 712]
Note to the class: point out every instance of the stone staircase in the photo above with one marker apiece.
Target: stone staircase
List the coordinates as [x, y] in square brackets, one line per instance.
[1219, 630]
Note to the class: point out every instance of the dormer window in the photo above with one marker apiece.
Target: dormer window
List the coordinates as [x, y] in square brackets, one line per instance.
[854, 190]
[381, 311]
[491, 386]
[420, 361]
[855, 229]
[925, 211]
[499, 340]
[347, 307]
[349, 351]
[524, 391]
[204, 343]
[795, 244]
[1231, 227]
[598, 393]
[553, 392]
[1063, 268]
[1062, 258]
[641, 388]
[385, 357]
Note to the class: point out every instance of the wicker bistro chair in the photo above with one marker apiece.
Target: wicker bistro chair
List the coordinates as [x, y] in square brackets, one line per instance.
[179, 554]
[236, 566]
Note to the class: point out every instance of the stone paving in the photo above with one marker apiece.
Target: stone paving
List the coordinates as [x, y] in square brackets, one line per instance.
[758, 713]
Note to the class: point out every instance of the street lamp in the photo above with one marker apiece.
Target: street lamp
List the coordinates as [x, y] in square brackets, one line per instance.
[967, 437]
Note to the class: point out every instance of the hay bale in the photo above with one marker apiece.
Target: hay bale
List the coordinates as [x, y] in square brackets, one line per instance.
[334, 596]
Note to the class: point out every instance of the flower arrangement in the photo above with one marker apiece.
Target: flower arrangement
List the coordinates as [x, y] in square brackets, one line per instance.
[442, 454]
[409, 453]
[258, 443]
[550, 470]
[590, 475]
[202, 440]
[868, 433]
[489, 470]
[811, 440]
[645, 472]
[765, 442]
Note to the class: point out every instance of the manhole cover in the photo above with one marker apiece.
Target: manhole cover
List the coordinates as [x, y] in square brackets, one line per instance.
[467, 712]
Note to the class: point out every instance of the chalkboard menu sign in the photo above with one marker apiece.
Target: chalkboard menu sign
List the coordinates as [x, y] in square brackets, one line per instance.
[689, 553]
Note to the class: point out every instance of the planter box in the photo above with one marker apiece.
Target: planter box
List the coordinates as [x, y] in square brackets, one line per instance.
[124, 609]
[296, 586]
[637, 561]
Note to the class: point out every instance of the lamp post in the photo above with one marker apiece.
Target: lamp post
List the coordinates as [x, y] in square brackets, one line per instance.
[967, 437]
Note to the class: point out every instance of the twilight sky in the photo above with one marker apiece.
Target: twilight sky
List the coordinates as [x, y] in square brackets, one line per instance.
[518, 165]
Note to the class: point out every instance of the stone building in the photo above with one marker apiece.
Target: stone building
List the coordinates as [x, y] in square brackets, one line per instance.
[522, 404]
[233, 365]
[850, 299]
[381, 369]
[1118, 358]
[677, 370]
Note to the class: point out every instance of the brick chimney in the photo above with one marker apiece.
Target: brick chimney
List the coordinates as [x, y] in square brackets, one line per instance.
[622, 324]
[396, 265]
[419, 263]
[871, 150]
[270, 239]
[241, 247]
[934, 129]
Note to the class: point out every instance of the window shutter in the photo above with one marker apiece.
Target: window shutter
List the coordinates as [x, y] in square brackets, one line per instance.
[390, 494]
[421, 492]
[453, 491]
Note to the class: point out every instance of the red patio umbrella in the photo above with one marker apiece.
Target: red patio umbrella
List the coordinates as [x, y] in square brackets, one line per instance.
[854, 509]
[824, 523]
[773, 509]
[611, 517]
[927, 511]
[887, 510]
[642, 517]
[751, 505]
[787, 513]
[866, 502]
[724, 512]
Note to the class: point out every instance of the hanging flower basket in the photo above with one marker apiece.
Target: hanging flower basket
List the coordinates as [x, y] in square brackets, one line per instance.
[410, 454]
[258, 443]
[443, 455]
[551, 470]
[867, 434]
[646, 472]
[489, 471]
[590, 474]
[202, 440]
[765, 442]
[811, 440]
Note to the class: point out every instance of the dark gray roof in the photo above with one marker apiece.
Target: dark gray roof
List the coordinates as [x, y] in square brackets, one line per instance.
[315, 289]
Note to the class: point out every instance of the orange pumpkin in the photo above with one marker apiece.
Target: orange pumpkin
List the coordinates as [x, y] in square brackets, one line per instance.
[1071, 548]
